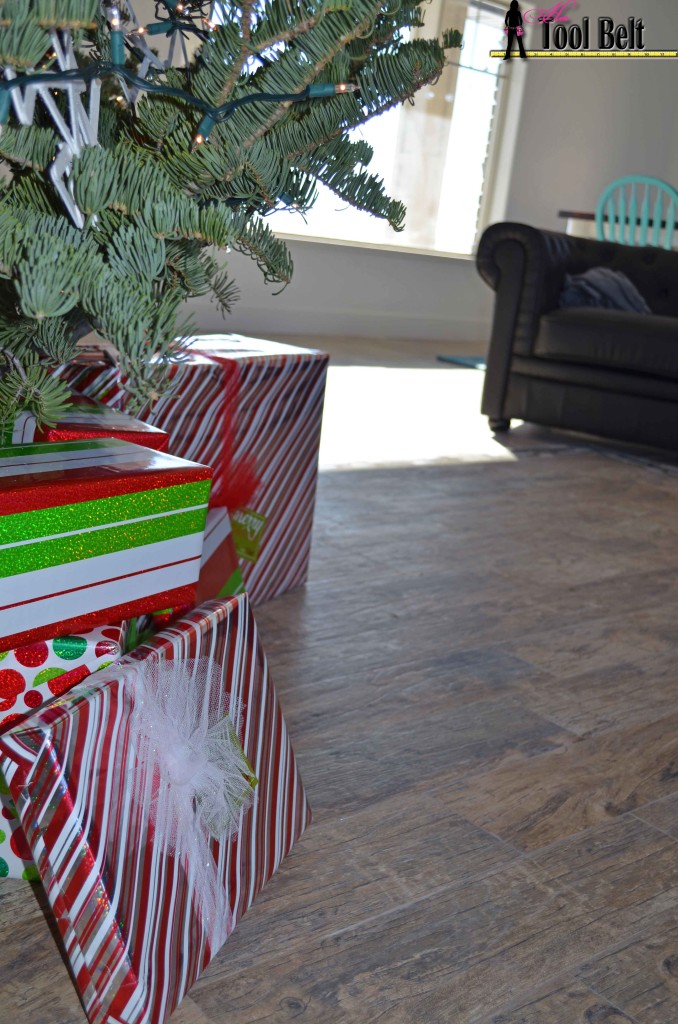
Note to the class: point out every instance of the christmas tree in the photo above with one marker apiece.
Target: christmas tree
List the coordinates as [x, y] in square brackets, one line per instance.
[126, 172]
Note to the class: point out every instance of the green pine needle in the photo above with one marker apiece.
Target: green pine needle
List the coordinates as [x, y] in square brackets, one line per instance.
[161, 212]
[29, 387]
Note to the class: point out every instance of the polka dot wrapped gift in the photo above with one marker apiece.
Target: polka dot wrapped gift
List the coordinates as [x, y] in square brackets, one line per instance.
[30, 676]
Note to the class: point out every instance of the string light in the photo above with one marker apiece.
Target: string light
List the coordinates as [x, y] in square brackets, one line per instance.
[204, 128]
[329, 89]
[211, 116]
[160, 28]
[117, 37]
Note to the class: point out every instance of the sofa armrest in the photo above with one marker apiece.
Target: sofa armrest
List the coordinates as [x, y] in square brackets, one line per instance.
[526, 267]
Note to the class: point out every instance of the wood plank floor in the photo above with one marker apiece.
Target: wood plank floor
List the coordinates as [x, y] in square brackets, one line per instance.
[480, 681]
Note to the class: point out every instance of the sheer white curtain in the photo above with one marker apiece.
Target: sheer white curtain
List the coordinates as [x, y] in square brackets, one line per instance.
[433, 154]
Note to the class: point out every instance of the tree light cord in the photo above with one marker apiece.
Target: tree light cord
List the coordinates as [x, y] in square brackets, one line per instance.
[104, 69]
[130, 277]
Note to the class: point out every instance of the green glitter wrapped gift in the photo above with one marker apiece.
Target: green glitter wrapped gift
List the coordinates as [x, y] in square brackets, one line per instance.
[93, 532]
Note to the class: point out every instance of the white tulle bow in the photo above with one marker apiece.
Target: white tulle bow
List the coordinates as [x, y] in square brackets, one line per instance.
[192, 780]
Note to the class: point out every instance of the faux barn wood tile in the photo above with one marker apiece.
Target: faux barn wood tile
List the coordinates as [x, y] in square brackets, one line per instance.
[642, 974]
[479, 684]
[565, 1001]
[663, 814]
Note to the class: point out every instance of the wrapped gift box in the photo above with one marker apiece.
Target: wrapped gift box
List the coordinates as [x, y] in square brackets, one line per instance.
[220, 574]
[85, 419]
[94, 532]
[241, 398]
[31, 676]
[132, 912]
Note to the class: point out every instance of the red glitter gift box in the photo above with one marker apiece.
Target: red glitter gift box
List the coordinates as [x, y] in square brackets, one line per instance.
[93, 532]
[86, 418]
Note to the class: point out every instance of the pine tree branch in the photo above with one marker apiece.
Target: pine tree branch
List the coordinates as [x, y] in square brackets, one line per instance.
[156, 206]
[288, 36]
[246, 8]
[310, 76]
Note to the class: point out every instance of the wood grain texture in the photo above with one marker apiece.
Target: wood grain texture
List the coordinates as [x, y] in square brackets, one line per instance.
[565, 1001]
[535, 802]
[663, 814]
[642, 974]
[479, 684]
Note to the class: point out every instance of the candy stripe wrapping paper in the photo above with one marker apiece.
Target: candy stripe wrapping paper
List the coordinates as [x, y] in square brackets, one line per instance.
[280, 397]
[220, 574]
[30, 677]
[85, 419]
[123, 903]
[282, 392]
[93, 532]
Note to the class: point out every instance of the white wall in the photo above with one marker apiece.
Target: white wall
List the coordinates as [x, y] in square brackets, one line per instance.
[582, 124]
[359, 293]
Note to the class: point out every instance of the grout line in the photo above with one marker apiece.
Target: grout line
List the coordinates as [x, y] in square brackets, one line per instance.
[649, 824]
[615, 1006]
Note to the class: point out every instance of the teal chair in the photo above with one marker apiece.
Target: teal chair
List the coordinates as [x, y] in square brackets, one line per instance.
[633, 207]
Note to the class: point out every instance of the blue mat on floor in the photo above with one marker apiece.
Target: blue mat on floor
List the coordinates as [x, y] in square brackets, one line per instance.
[467, 362]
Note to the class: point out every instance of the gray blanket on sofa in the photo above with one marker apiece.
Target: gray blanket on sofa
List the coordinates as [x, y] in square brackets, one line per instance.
[604, 288]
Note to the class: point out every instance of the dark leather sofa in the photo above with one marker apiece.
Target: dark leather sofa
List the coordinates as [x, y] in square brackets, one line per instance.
[598, 371]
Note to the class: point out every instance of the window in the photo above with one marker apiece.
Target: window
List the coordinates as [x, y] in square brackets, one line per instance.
[433, 155]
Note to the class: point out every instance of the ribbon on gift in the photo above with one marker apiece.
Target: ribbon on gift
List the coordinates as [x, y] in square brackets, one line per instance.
[237, 480]
[191, 779]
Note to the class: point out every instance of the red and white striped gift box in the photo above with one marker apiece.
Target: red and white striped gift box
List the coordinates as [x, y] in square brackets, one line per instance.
[220, 574]
[123, 903]
[269, 396]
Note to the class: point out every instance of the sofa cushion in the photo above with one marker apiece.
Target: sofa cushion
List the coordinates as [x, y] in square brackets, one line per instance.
[610, 338]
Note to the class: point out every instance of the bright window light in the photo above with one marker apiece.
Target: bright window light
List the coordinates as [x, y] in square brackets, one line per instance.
[433, 155]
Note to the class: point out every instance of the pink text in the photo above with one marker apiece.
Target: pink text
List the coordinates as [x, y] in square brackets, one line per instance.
[555, 13]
